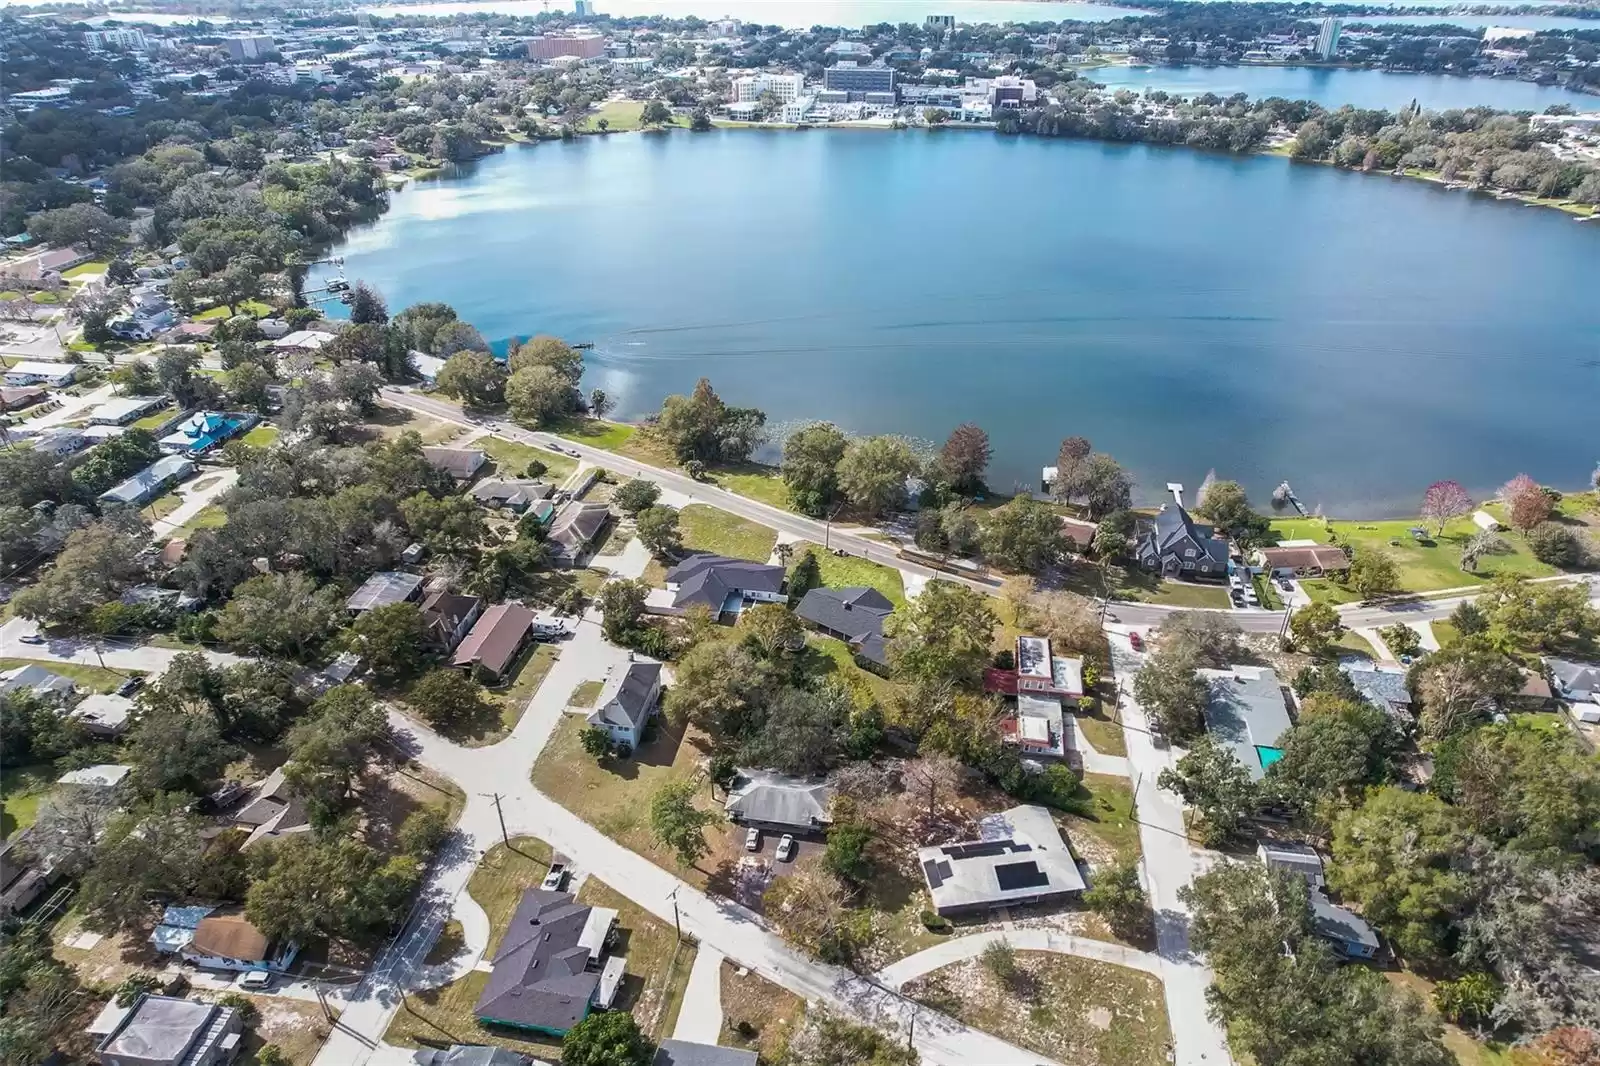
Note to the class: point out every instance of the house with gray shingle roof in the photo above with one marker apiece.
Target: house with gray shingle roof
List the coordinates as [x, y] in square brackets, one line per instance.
[769, 800]
[1176, 545]
[854, 615]
[1246, 714]
[722, 585]
[546, 973]
[626, 702]
[1384, 689]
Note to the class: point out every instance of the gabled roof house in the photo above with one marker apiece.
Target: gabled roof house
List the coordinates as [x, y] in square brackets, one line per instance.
[723, 585]
[769, 800]
[1175, 545]
[854, 615]
[626, 701]
[546, 974]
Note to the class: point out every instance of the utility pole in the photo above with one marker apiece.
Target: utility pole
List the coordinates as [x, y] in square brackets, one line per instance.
[827, 527]
[504, 836]
[911, 1034]
[676, 924]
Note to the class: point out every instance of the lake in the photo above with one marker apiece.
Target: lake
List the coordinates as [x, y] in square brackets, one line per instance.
[1332, 87]
[1361, 336]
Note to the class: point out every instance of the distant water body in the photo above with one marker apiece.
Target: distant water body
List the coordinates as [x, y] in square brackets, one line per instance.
[1333, 87]
[1359, 335]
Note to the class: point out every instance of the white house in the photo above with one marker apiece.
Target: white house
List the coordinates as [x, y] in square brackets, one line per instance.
[626, 702]
[30, 373]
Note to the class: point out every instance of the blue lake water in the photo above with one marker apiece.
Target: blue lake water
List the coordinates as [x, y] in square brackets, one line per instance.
[1359, 335]
[1333, 87]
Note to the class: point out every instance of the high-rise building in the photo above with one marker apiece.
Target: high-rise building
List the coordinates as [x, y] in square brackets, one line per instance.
[858, 80]
[940, 22]
[582, 45]
[100, 40]
[750, 88]
[248, 47]
[1328, 37]
[583, 8]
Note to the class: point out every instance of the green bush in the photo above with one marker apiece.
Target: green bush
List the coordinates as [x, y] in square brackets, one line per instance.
[934, 922]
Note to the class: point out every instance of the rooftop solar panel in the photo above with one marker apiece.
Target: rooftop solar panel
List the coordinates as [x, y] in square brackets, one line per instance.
[1018, 875]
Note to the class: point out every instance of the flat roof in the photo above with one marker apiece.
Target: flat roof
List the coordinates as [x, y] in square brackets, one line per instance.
[1033, 657]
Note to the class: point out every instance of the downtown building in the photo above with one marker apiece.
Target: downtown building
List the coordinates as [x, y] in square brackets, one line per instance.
[786, 87]
[874, 84]
[577, 45]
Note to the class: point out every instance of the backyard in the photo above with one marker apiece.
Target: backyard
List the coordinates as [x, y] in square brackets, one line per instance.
[844, 571]
[22, 789]
[707, 529]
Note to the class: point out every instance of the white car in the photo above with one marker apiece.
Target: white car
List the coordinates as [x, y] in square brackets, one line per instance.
[786, 848]
[752, 840]
[255, 980]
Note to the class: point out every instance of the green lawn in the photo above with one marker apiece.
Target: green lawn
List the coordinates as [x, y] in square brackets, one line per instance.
[585, 694]
[162, 506]
[511, 458]
[844, 571]
[1355, 643]
[94, 678]
[708, 529]
[154, 419]
[836, 660]
[1422, 566]
[262, 436]
[504, 706]
[254, 308]
[622, 116]
[22, 788]
[596, 433]
[10, 294]
[758, 482]
[210, 517]
[1108, 817]
[1444, 632]
[45, 298]
[85, 268]
[1134, 585]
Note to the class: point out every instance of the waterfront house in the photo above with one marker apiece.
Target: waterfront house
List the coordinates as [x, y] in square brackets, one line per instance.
[780, 803]
[626, 702]
[1018, 858]
[1175, 545]
[1245, 713]
[1302, 560]
[724, 586]
[546, 975]
[301, 340]
[854, 615]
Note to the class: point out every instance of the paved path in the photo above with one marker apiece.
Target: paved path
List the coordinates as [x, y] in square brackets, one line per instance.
[1090, 759]
[700, 1017]
[116, 655]
[195, 500]
[1027, 938]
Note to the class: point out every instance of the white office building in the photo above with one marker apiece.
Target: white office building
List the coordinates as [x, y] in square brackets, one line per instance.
[1328, 38]
[786, 87]
[100, 40]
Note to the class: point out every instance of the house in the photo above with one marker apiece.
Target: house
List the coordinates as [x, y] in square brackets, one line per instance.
[1303, 560]
[103, 775]
[273, 812]
[1579, 684]
[427, 366]
[1020, 857]
[447, 616]
[1079, 532]
[100, 434]
[725, 586]
[167, 1031]
[56, 375]
[546, 974]
[36, 679]
[104, 715]
[689, 1053]
[204, 430]
[60, 441]
[626, 701]
[121, 410]
[780, 803]
[454, 1055]
[150, 482]
[1345, 930]
[384, 589]
[495, 641]
[514, 494]
[24, 875]
[226, 940]
[177, 926]
[15, 399]
[1040, 681]
[301, 340]
[1246, 713]
[459, 463]
[575, 528]
[1174, 545]
[1384, 689]
[854, 615]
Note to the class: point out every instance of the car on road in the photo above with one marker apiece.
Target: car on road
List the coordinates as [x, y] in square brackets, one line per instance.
[130, 686]
[786, 848]
[752, 839]
[255, 980]
[1135, 641]
[32, 638]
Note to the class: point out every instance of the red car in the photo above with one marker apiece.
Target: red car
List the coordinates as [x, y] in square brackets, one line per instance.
[1135, 642]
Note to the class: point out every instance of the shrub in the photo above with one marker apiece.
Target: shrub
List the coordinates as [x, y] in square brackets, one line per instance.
[1469, 1000]
[1555, 544]
[1000, 959]
[271, 1055]
[136, 986]
[934, 922]
[423, 831]
[244, 1005]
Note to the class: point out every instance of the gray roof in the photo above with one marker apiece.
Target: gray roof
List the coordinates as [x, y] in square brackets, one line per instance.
[1385, 689]
[1294, 858]
[627, 698]
[688, 1053]
[1020, 855]
[709, 579]
[459, 463]
[1333, 922]
[1246, 713]
[469, 1055]
[384, 589]
[1169, 529]
[858, 612]
[139, 486]
[540, 976]
[778, 799]
[576, 526]
[1573, 677]
[511, 492]
[160, 1030]
[37, 680]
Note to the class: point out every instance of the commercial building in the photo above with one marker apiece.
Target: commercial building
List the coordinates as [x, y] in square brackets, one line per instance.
[577, 45]
[857, 80]
[1019, 858]
[1328, 37]
[1008, 90]
[165, 1031]
[752, 87]
[940, 22]
[252, 47]
[100, 40]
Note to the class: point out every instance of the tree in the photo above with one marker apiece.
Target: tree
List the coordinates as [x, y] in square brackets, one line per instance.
[1566, 1046]
[84, 225]
[1111, 535]
[152, 853]
[610, 1038]
[390, 638]
[701, 428]
[1525, 787]
[538, 393]
[965, 457]
[806, 575]
[1228, 508]
[35, 729]
[1401, 640]
[1071, 465]
[657, 528]
[1549, 618]
[335, 887]
[677, 823]
[1396, 857]
[621, 607]
[1483, 542]
[873, 473]
[453, 526]
[280, 614]
[846, 855]
[1373, 573]
[1117, 897]
[422, 832]
[366, 306]
[247, 385]
[932, 776]
[545, 350]
[655, 113]
[803, 732]
[1460, 685]
[1468, 1000]
[171, 751]
[600, 404]
[1468, 618]
[1024, 535]
[596, 741]
[722, 687]
[1526, 503]
[636, 495]
[1444, 500]
[700, 120]
[357, 384]
[1175, 695]
[1216, 784]
[1339, 747]
[1106, 486]
[1554, 543]
[810, 466]
[330, 748]
[1210, 636]
[943, 636]
[96, 564]
[1315, 628]
[475, 378]
[444, 696]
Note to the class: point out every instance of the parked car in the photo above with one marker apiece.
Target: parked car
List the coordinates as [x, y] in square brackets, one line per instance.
[32, 638]
[752, 839]
[786, 848]
[1285, 584]
[556, 879]
[255, 980]
[130, 686]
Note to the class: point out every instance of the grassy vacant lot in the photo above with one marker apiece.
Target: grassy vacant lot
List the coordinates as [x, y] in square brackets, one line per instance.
[1107, 828]
[155, 418]
[261, 436]
[585, 694]
[1134, 585]
[81, 269]
[93, 678]
[511, 458]
[710, 530]
[253, 308]
[1423, 566]
[756, 481]
[1072, 1010]
[771, 1013]
[843, 571]
[162, 505]
[622, 116]
[597, 434]
[653, 988]
[614, 795]
[21, 790]
[387, 422]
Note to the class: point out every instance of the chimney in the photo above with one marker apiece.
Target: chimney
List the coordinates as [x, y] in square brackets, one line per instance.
[1176, 488]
